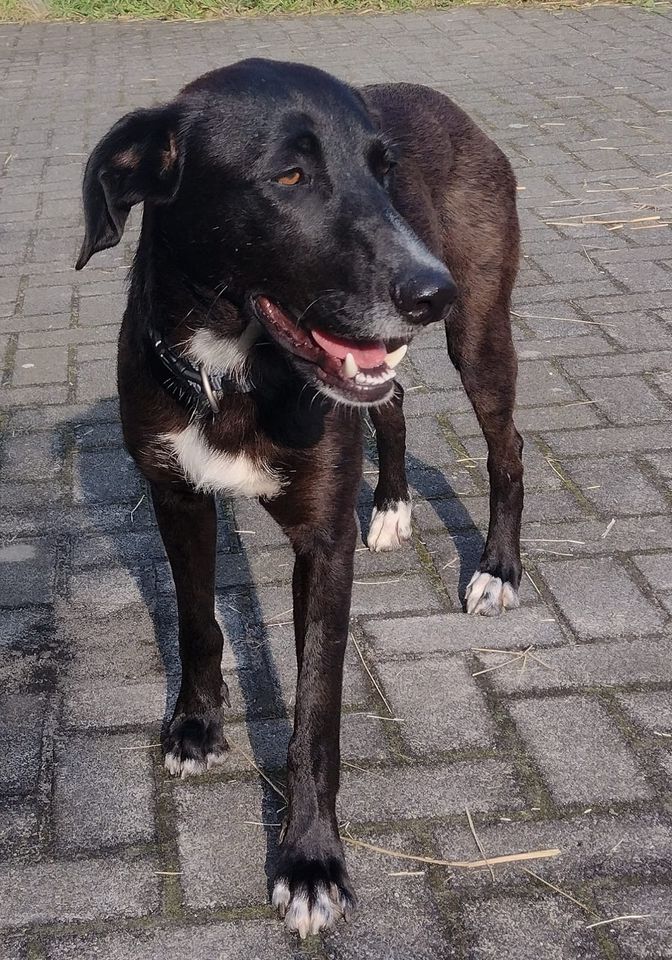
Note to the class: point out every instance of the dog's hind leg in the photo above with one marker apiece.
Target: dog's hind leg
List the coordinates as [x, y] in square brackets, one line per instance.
[481, 347]
[391, 516]
[188, 524]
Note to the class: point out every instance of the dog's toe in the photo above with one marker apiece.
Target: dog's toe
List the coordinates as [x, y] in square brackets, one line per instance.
[194, 745]
[488, 596]
[390, 526]
[311, 907]
[312, 893]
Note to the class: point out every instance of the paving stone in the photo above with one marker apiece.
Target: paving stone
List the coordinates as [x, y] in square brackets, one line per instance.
[12, 949]
[223, 858]
[27, 629]
[96, 380]
[96, 704]
[76, 890]
[439, 703]
[261, 939]
[625, 400]
[102, 792]
[428, 791]
[586, 665]
[579, 749]
[21, 743]
[106, 477]
[381, 905]
[656, 569]
[101, 310]
[18, 829]
[27, 573]
[599, 599]
[514, 929]
[646, 939]
[651, 710]
[362, 739]
[32, 458]
[369, 597]
[107, 590]
[589, 537]
[453, 632]
[615, 485]
[610, 440]
[263, 677]
[467, 512]
[45, 300]
[608, 846]
[43, 365]
[121, 644]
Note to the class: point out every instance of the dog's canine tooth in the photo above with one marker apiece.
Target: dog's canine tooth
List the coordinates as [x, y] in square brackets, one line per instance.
[394, 359]
[350, 368]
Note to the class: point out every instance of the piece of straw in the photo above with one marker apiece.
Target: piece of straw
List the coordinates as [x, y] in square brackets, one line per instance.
[609, 526]
[455, 864]
[563, 893]
[626, 916]
[261, 773]
[481, 850]
[371, 676]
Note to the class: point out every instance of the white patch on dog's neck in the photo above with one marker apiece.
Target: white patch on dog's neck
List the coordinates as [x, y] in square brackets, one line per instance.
[209, 470]
[221, 354]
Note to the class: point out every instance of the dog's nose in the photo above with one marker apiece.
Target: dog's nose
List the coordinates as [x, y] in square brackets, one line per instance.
[423, 297]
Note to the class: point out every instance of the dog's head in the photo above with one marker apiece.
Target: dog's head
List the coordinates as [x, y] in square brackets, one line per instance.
[274, 180]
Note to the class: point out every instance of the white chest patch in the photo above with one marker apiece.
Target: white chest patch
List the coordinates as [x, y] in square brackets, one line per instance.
[212, 471]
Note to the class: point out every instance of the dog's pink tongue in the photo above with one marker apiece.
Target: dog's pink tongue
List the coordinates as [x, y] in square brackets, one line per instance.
[366, 355]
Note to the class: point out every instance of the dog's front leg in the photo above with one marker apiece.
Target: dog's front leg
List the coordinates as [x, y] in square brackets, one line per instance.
[188, 524]
[311, 888]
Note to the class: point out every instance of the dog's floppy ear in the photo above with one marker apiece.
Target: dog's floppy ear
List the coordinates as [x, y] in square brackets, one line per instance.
[138, 159]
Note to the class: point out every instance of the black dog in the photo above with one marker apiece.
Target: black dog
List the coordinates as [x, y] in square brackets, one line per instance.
[295, 235]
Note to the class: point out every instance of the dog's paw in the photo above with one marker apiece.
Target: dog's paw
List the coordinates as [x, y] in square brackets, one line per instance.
[194, 744]
[390, 526]
[311, 895]
[489, 596]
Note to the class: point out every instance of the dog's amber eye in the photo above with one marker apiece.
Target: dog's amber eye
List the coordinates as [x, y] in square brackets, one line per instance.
[291, 178]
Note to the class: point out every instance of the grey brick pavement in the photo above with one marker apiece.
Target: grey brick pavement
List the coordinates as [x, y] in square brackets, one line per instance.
[567, 742]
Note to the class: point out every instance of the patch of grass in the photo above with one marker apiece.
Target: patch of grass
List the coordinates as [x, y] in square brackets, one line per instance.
[34, 10]
[27, 11]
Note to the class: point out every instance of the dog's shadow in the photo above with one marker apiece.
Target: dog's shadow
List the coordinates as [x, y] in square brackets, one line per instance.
[238, 607]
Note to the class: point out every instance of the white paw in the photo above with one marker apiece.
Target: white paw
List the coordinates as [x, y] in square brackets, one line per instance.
[390, 527]
[191, 767]
[309, 914]
[488, 596]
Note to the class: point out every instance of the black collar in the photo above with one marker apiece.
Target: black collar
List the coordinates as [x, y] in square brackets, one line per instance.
[191, 386]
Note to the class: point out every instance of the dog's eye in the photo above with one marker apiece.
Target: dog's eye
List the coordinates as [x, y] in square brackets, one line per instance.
[290, 178]
[387, 166]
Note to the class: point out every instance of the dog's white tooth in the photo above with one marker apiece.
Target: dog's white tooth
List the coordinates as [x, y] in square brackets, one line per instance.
[350, 368]
[394, 359]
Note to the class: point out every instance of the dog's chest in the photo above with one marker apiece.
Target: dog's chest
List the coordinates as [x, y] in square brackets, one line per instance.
[210, 470]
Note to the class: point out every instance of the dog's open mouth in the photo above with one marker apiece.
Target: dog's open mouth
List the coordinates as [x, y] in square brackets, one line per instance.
[359, 370]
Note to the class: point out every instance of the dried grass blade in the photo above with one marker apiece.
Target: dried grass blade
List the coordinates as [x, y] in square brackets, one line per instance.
[481, 849]
[626, 916]
[371, 676]
[261, 773]
[563, 893]
[455, 864]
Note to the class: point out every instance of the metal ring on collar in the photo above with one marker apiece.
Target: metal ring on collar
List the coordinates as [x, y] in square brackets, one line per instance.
[208, 391]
